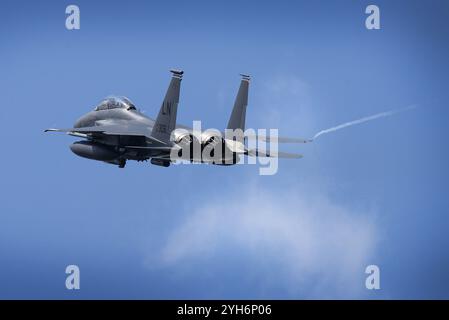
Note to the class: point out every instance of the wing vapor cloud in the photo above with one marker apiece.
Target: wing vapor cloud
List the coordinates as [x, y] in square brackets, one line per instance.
[362, 120]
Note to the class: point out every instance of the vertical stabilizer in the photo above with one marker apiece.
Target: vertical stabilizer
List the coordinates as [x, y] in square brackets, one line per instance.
[166, 119]
[238, 115]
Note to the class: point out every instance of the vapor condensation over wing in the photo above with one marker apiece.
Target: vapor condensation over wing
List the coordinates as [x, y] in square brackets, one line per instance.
[362, 120]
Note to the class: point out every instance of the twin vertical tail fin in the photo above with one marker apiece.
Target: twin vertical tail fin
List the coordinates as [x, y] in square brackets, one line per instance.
[166, 119]
[238, 115]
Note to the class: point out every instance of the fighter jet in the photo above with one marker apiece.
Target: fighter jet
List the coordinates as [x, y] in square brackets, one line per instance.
[116, 131]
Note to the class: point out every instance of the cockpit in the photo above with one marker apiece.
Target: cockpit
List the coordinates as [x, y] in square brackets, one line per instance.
[114, 103]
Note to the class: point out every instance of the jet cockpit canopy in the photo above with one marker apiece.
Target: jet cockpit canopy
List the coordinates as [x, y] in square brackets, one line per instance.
[114, 103]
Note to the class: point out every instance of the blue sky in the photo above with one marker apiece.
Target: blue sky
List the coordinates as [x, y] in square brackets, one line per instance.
[369, 194]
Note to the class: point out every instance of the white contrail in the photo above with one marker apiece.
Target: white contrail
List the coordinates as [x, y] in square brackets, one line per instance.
[365, 119]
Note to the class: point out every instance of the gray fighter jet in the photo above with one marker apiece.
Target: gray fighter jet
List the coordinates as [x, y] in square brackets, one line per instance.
[115, 131]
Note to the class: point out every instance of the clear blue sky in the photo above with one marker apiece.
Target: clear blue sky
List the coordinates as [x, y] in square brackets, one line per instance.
[371, 194]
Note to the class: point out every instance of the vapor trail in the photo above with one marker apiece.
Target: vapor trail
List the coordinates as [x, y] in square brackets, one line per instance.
[362, 120]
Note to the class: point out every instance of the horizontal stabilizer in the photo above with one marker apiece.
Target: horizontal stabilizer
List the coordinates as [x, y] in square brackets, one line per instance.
[264, 153]
[279, 139]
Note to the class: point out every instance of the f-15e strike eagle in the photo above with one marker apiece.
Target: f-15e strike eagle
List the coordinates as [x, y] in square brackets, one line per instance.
[115, 131]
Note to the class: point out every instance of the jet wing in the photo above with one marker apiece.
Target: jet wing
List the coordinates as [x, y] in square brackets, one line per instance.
[113, 129]
[107, 129]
